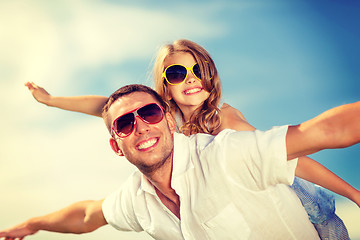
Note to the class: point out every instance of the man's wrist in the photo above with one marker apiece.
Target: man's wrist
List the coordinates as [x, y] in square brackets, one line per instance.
[33, 224]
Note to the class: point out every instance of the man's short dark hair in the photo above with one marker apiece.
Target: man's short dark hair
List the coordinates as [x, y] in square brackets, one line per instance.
[126, 90]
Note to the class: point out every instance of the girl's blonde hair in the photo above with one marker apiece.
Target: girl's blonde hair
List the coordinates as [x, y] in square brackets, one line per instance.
[205, 119]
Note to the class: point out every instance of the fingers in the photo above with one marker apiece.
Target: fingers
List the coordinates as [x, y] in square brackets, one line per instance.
[31, 85]
[13, 238]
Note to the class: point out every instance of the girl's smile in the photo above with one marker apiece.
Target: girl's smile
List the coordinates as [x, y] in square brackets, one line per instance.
[194, 90]
[189, 94]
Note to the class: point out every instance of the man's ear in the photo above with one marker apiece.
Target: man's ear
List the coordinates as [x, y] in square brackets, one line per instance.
[171, 122]
[115, 147]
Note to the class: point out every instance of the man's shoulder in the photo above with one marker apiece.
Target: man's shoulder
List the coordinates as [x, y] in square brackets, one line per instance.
[202, 140]
[229, 138]
[132, 184]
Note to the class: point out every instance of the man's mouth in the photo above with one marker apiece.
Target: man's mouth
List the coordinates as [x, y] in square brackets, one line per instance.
[192, 90]
[147, 144]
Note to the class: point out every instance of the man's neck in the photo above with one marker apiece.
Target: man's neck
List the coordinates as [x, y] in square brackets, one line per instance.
[161, 180]
[171, 200]
[168, 195]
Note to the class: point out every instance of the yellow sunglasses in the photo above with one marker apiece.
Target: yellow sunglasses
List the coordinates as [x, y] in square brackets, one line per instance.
[177, 73]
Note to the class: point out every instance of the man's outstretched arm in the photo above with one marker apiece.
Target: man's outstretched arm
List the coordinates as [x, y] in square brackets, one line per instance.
[81, 217]
[336, 128]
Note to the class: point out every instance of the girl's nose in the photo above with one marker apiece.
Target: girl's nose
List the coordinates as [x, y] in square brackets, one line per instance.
[190, 78]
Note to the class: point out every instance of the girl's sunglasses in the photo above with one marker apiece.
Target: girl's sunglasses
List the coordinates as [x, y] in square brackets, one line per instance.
[124, 125]
[177, 73]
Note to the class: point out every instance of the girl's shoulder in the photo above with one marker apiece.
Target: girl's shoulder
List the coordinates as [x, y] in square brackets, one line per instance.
[227, 111]
[232, 118]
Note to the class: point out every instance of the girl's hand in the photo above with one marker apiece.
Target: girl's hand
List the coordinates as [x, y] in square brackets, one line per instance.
[39, 93]
[356, 197]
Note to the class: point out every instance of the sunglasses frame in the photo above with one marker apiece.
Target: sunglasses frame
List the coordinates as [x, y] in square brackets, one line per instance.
[187, 73]
[136, 114]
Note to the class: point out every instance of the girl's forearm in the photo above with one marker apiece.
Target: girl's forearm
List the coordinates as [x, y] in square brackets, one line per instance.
[315, 172]
[91, 104]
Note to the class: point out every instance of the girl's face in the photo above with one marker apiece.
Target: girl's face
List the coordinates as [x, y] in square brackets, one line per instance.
[189, 94]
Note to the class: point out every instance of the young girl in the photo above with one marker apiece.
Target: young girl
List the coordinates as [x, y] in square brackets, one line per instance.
[186, 77]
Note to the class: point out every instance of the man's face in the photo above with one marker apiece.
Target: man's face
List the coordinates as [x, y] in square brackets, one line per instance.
[149, 146]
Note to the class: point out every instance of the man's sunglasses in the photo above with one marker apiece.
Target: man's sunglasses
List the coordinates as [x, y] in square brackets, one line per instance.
[177, 73]
[124, 125]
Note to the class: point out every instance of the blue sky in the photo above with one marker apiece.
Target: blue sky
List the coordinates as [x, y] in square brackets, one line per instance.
[280, 62]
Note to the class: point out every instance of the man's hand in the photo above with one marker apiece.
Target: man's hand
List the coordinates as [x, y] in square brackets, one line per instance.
[80, 217]
[17, 232]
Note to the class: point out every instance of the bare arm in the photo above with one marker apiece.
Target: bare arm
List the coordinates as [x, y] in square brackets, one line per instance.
[91, 104]
[336, 128]
[307, 168]
[232, 118]
[81, 217]
[315, 172]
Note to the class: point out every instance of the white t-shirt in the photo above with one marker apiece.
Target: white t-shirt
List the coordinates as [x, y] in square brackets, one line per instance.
[231, 186]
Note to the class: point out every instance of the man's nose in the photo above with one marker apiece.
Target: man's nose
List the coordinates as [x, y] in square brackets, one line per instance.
[141, 127]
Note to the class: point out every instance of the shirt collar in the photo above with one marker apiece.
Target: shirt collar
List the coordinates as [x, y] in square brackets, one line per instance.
[181, 163]
[145, 185]
[181, 157]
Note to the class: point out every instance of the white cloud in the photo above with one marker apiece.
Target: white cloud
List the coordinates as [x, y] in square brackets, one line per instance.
[50, 41]
[42, 171]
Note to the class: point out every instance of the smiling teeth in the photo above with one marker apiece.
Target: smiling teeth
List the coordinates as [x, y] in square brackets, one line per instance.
[147, 144]
[194, 90]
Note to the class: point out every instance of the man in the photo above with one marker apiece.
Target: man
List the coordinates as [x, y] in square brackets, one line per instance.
[232, 186]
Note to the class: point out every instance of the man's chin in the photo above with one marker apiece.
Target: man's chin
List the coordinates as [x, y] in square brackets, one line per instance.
[152, 166]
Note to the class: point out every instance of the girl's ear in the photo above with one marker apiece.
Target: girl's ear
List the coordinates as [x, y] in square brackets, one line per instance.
[171, 122]
[115, 147]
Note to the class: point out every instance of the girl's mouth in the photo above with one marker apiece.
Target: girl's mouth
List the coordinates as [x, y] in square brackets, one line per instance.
[192, 90]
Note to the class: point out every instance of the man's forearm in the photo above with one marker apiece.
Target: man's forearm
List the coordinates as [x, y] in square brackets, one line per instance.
[340, 126]
[81, 217]
[336, 128]
[67, 220]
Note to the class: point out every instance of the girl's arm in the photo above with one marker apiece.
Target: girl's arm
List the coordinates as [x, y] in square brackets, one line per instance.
[307, 168]
[91, 105]
[232, 118]
[315, 172]
[81, 217]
